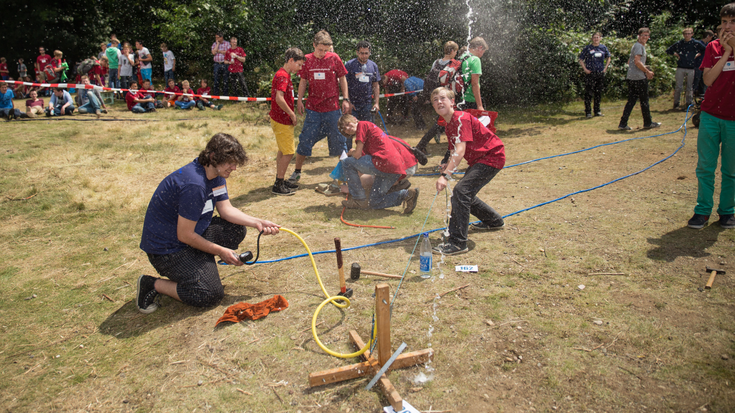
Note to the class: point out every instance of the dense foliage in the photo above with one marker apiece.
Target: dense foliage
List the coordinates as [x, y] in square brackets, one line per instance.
[533, 43]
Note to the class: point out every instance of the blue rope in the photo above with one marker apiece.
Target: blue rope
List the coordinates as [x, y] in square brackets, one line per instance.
[522, 210]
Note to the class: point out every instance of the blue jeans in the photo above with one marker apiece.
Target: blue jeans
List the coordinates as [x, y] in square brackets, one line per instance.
[4, 112]
[466, 202]
[92, 105]
[317, 125]
[221, 74]
[146, 74]
[143, 107]
[169, 74]
[57, 110]
[185, 105]
[379, 196]
[114, 80]
[362, 111]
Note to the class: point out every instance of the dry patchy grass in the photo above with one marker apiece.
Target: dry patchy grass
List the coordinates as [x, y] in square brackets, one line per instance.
[522, 337]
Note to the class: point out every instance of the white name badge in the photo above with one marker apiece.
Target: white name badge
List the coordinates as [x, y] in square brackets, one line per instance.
[319, 76]
[208, 207]
[729, 66]
[364, 79]
[220, 190]
[598, 54]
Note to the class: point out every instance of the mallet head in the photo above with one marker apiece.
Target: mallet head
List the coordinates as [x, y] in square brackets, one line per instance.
[715, 269]
[347, 293]
[355, 271]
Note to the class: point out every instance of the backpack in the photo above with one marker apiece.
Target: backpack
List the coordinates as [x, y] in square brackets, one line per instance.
[451, 77]
[431, 81]
[85, 66]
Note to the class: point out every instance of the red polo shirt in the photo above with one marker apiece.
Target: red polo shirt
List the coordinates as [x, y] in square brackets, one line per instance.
[322, 75]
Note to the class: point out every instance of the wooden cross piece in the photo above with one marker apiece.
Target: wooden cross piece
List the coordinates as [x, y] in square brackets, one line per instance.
[370, 366]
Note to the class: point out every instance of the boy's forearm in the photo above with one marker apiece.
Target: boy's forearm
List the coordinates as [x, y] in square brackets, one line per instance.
[710, 75]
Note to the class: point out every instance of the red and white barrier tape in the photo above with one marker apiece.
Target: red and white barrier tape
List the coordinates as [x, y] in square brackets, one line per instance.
[108, 89]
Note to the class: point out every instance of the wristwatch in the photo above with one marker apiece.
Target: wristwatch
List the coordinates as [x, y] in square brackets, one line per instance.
[446, 176]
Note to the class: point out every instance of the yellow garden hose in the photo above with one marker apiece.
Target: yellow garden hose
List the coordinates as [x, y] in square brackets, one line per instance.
[330, 299]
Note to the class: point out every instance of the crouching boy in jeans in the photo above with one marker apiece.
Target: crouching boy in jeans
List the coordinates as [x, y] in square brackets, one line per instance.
[717, 126]
[387, 158]
[283, 118]
[485, 155]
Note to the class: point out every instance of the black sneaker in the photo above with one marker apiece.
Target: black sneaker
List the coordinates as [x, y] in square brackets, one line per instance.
[589, 116]
[448, 249]
[698, 221]
[599, 114]
[290, 185]
[281, 189]
[624, 127]
[652, 125]
[147, 294]
[727, 221]
[481, 226]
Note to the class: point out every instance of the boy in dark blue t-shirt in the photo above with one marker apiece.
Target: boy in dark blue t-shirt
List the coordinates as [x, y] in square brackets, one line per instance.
[180, 235]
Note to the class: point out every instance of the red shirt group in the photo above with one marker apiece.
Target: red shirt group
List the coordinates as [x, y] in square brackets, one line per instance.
[282, 82]
[322, 75]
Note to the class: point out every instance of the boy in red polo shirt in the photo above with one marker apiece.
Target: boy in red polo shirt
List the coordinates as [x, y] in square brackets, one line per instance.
[283, 118]
[324, 73]
[385, 157]
[236, 59]
[717, 126]
[485, 155]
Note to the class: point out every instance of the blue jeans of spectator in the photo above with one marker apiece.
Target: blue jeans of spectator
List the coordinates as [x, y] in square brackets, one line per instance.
[169, 74]
[317, 125]
[57, 110]
[114, 80]
[143, 107]
[362, 111]
[221, 77]
[637, 89]
[4, 112]
[466, 202]
[379, 196]
[92, 105]
[185, 105]
[146, 74]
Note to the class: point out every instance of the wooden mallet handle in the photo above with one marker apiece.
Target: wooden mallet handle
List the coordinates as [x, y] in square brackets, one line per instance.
[380, 274]
[711, 279]
[340, 267]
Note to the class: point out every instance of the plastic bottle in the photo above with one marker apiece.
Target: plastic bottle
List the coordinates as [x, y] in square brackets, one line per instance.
[425, 254]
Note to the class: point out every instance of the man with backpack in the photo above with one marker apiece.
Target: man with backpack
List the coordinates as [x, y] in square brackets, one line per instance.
[444, 72]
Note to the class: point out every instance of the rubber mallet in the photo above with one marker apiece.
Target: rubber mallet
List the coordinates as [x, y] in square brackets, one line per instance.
[343, 290]
[356, 270]
[713, 272]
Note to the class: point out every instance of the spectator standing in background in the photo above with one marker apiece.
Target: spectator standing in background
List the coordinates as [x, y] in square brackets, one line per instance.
[126, 66]
[412, 85]
[41, 61]
[113, 58]
[144, 61]
[22, 69]
[169, 63]
[686, 51]
[220, 47]
[103, 46]
[638, 77]
[594, 59]
[699, 86]
[363, 83]
[236, 59]
[4, 72]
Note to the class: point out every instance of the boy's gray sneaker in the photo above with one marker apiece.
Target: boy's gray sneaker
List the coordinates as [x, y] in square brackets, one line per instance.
[294, 177]
[652, 125]
[727, 221]
[146, 300]
[448, 249]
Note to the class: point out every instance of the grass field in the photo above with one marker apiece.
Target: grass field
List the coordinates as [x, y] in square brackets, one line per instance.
[591, 303]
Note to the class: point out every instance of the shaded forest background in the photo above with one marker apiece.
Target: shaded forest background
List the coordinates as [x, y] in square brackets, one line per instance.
[533, 43]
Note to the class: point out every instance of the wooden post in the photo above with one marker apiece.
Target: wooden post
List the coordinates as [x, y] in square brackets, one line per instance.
[382, 319]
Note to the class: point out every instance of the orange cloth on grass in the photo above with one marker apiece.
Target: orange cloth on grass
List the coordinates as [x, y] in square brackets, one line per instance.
[240, 311]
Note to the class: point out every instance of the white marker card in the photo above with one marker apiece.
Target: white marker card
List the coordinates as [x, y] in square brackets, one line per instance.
[465, 268]
[407, 408]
